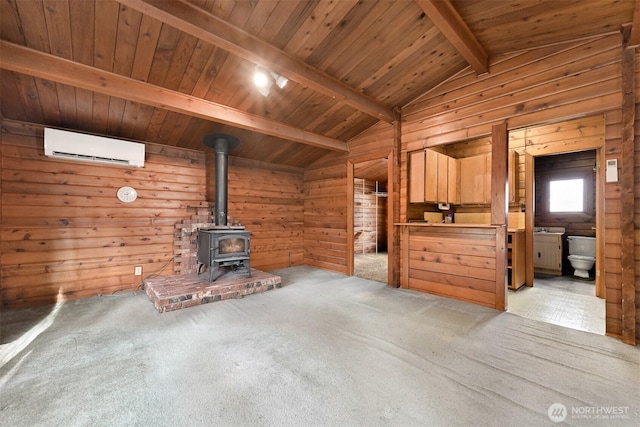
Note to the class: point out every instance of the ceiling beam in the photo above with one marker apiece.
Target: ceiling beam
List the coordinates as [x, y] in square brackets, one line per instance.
[31, 62]
[197, 22]
[448, 21]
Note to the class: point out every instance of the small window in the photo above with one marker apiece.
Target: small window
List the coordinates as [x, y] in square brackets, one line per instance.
[566, 195]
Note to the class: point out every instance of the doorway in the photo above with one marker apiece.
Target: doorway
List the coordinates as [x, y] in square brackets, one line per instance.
[369, 212]
[559, 297]
[370, 229]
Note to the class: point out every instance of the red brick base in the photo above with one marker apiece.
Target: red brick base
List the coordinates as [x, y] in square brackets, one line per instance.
[168, 293]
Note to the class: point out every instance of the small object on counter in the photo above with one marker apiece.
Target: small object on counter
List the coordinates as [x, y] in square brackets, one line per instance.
[448, 219]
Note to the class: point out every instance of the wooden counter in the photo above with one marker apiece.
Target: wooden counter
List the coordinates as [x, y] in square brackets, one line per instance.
[461, 261]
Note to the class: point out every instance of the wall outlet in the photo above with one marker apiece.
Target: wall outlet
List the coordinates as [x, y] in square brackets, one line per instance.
[137, 270]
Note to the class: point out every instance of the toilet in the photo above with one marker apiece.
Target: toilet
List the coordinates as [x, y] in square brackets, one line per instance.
[582, 254]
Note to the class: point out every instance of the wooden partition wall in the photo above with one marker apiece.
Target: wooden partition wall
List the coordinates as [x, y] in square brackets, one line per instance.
[328, 202]
[456, 261]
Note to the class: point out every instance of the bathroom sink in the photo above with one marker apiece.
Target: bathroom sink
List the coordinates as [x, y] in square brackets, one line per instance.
[548, 230]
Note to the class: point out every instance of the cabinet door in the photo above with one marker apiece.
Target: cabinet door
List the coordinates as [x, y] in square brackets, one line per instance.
[416, 177]
[487, 180]
[443, 178]
[452, 180]
[473, 177]
[431, 176]
[547, 252]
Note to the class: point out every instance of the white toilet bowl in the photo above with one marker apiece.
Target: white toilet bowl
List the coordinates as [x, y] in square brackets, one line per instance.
[581, 265]
[582, 254]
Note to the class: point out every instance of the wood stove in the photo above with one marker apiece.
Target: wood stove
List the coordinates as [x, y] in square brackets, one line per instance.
[223, 245]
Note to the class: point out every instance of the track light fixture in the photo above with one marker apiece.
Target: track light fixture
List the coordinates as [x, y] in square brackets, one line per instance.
[264, 80]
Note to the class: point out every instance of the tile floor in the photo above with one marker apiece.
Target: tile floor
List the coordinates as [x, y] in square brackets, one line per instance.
[564, 301]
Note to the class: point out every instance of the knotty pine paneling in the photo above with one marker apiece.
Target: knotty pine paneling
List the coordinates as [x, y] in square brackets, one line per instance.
[268, 200]
[455, 262]
[325, 199]
[612, 238]
[636, 191]
[325, 216]
[65, 232]
[527, 89]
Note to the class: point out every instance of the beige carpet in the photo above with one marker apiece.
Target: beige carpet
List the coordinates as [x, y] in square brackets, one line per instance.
[372, 266]
[324, 350]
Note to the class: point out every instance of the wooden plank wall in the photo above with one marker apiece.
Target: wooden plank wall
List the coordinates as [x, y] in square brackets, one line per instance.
[325, 199]
[530, 88]
[64, 231]
[325, 215]
[613, 237]
[454, 262]
[369, 223]
[268, 200]
[636, 173]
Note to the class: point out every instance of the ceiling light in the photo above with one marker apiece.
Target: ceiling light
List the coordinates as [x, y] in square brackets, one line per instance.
[264, 91]
[264, 79]
[281, 81]
[260, 77]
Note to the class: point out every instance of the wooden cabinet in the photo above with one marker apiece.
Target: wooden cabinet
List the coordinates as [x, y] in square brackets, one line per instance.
[416, 176]
[432, 177]
[547, 253]
[515, 259]
[452, 179]
[475, 179]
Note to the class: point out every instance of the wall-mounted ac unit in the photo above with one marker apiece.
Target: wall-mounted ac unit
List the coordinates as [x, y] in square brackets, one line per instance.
[77, 146]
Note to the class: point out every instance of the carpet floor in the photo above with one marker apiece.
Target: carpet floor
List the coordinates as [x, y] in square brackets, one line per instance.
[324, 350]
[372, 266]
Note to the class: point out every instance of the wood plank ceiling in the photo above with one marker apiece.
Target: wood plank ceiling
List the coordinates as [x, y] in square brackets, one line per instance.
[171, 72]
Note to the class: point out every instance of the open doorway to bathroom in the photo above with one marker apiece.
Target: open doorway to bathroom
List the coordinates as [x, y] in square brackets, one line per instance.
[563, 292]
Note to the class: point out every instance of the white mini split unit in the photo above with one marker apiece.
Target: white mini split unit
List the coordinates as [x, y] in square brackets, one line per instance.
[78, 146]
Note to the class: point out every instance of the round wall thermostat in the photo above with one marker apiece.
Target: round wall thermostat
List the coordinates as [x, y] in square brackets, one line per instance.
[127, 194]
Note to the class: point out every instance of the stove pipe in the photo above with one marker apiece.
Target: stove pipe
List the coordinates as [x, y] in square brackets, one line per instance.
[221, 143]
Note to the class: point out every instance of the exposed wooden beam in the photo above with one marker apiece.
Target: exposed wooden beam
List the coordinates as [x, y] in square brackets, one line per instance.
[197, 22]
[49, 67]
[444, 16]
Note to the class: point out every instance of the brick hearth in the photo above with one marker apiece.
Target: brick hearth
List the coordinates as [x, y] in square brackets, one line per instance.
[168, 293]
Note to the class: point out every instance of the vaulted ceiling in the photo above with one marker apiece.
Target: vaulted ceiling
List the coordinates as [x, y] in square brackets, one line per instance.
[171, 72]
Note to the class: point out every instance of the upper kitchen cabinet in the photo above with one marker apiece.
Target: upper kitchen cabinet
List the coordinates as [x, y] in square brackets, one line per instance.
[416, 176]
[432, 177]
[475, 180]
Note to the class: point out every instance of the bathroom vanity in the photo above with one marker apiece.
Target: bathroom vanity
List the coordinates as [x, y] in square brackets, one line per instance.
[547, 251]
